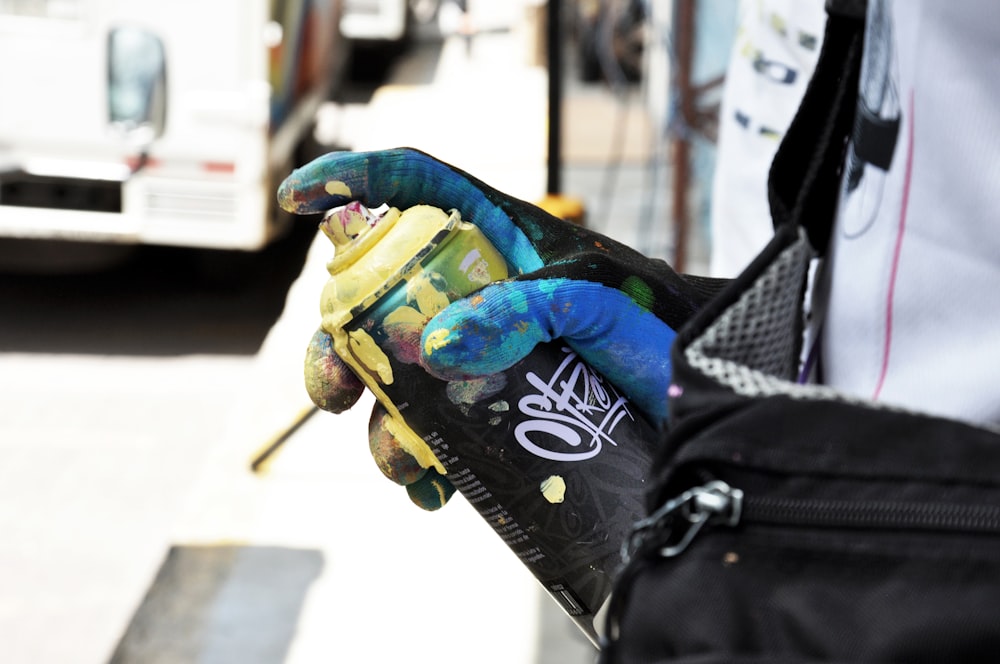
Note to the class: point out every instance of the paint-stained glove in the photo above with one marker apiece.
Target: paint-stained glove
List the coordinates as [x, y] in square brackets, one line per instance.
[616, 308]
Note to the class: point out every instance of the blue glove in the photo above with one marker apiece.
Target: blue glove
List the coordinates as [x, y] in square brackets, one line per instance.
[618, 309]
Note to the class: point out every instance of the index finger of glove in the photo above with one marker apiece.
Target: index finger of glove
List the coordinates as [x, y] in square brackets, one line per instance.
[404, 177]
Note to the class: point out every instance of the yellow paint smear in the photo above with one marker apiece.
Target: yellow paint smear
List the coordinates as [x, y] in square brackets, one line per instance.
[436, 340]
[429, 299]
[337, 188]
[554, 489]
[405, 315]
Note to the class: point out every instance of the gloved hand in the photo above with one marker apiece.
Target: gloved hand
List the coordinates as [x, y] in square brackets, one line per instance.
[617, 309]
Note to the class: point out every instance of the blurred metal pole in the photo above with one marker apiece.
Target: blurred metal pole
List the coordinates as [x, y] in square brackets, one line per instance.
[553, 47]
[684, 45]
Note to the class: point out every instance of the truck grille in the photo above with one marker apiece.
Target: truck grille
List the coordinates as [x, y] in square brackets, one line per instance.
[22, 189]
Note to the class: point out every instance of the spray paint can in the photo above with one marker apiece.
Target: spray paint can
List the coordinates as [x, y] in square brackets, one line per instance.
[547, 451]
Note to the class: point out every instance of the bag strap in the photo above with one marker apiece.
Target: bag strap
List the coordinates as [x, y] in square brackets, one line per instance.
[804, 180]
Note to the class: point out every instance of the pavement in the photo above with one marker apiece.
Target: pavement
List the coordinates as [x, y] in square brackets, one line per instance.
[313, 556]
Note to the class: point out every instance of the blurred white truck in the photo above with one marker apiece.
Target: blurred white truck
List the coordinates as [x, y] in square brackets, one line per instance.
[382, 21]
[150, 122]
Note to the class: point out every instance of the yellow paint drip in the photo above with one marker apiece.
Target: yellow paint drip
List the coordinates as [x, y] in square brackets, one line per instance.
[394, 424]
[412, 444]
[373, 357]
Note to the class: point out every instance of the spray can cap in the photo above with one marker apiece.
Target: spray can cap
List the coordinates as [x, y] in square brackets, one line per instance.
[373, 252]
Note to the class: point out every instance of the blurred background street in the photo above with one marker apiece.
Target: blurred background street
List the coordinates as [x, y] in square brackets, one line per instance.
[137, 394]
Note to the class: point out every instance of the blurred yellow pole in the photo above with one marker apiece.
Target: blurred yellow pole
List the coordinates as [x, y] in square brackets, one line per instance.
[554, 202]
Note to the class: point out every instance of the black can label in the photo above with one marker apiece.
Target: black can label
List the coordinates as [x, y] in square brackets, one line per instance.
[548, 452]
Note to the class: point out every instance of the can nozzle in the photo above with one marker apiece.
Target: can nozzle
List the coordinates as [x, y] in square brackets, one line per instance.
[344, 224]
[354, 229]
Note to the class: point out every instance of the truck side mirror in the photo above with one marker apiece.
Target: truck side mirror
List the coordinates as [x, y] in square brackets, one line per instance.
[137, 84]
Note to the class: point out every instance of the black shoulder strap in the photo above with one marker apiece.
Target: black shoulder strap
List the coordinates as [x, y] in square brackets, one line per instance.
[804, 181]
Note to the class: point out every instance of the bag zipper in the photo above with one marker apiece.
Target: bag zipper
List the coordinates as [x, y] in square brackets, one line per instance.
[716, 502]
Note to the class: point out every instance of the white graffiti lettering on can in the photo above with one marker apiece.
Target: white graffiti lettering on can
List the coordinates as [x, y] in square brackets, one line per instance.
[573, 408]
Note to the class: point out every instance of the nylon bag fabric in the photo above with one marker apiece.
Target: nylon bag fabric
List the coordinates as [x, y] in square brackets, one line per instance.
[788, 522]
[860, 533]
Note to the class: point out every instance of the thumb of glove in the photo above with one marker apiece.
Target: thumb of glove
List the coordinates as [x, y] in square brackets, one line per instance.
[607, 327]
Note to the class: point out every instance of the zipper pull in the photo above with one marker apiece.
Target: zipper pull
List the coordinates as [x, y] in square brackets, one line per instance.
[715, 502]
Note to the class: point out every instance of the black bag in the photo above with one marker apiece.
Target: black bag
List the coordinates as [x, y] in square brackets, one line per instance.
[789, 522]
